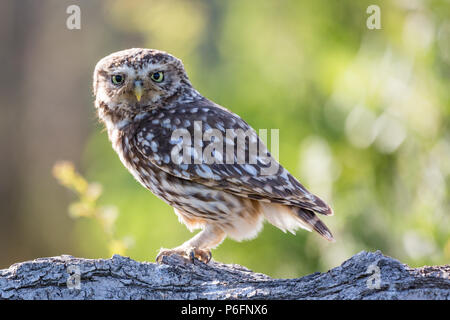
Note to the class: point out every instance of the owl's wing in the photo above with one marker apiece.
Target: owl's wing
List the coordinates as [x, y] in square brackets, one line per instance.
[159, 140]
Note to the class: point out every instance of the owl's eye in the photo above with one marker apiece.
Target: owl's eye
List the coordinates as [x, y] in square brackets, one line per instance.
[157, 76]
[117, 79]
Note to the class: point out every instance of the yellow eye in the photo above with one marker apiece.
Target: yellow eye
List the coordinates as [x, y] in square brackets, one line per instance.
[117, 79]
[157, 76]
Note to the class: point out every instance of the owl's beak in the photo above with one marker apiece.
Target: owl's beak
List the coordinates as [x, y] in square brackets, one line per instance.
[138, 89]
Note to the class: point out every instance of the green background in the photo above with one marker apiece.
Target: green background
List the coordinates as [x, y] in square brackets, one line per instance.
[363, 118]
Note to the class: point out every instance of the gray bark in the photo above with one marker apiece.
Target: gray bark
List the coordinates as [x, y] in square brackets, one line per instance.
[366, 275]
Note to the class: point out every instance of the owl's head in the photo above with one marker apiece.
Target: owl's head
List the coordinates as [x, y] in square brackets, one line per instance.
[136, 79]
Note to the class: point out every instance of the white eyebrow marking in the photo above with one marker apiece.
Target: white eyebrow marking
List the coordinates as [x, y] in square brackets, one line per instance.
[145, 71]
[122, 69]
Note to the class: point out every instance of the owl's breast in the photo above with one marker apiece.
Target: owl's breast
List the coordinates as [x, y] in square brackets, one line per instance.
[141, 169]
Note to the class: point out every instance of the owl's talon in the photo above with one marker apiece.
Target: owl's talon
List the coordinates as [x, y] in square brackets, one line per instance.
[191, 254]
[168, 252]
[204, 255]
[163, 253]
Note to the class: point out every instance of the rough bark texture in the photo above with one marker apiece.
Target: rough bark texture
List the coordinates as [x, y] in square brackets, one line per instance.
[366, 275]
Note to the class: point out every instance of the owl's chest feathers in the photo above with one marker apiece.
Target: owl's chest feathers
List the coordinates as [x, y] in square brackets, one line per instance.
[122, 134]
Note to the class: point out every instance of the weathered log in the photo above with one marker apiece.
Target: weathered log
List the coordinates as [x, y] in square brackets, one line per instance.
[366, 275]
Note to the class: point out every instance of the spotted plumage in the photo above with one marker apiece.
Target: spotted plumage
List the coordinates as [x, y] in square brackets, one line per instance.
[197, 156]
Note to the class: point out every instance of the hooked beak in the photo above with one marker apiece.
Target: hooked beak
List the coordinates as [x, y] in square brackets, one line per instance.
[138, 89]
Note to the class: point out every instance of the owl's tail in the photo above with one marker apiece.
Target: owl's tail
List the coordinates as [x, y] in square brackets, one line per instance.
[310, 219]
[290, 218]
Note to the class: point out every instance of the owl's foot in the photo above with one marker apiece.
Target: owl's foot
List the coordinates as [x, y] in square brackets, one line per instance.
[203, 255]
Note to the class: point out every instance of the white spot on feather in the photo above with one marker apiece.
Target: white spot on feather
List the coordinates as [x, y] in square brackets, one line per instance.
[250, 169]
[141, 116]
[166, 123]
[154, 146]
[122, 123]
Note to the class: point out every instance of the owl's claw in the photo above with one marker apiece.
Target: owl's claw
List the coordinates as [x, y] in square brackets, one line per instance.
[204, 255]
[191, 254]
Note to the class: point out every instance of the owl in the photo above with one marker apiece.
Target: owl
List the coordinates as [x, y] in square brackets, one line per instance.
[167, 135]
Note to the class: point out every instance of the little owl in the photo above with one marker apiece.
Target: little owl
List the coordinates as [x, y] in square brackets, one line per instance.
[144, 96]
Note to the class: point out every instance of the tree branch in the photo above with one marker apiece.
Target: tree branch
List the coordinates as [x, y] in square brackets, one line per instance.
[366, 275]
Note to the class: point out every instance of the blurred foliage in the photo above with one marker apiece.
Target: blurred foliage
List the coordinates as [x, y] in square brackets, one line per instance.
[87, 207]
[363, 117]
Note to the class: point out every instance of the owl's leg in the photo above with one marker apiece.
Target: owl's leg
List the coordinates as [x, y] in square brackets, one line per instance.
[199, 246]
